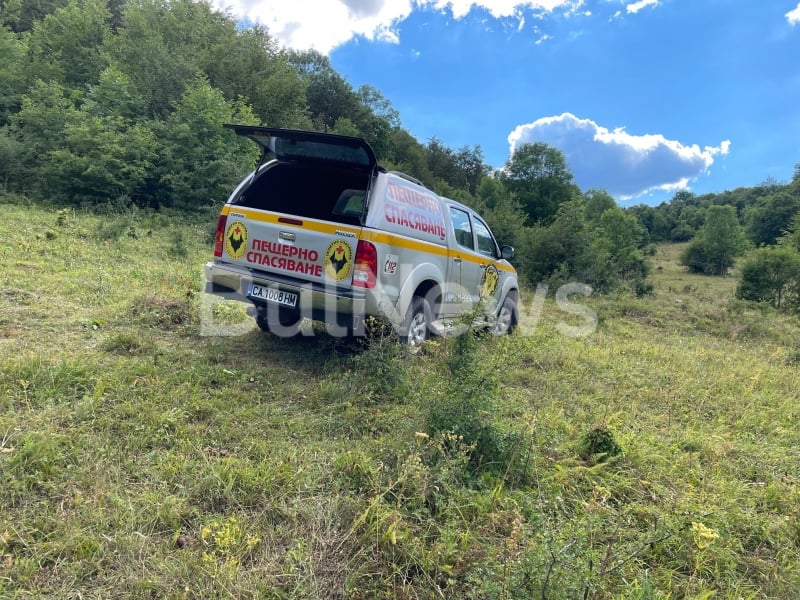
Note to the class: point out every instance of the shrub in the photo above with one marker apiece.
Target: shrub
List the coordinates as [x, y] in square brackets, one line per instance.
[720, 240]
[771, 274]
[598, 445]
[464, 407]
[380, 369]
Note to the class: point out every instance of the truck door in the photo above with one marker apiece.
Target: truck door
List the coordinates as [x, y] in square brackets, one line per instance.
[465, 265]
[492, 271]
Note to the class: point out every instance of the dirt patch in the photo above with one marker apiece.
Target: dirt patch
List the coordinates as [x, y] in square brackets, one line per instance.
[20, 296]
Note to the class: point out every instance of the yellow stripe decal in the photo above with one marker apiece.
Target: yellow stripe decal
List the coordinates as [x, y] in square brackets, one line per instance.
[370, 235]
[274, 219]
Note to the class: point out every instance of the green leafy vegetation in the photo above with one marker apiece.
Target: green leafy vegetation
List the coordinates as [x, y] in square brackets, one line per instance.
[123, 104]
[719, 241]
[653, 458]
[772, 274]
[154, 443]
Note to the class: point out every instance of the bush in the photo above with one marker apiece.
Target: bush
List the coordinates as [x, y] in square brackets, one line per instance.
[465, 406]
[604, 253]
[772, 274]
[598, 445]
[720, 240]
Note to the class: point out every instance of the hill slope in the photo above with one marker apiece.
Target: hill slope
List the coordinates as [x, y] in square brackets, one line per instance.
[141, 459]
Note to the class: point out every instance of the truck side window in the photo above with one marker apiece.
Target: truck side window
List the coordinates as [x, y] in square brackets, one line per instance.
[350, 203]
[462, 227]
[486, 243]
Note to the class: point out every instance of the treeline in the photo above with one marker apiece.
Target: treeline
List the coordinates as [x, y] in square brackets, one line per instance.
[759, 225]
[107, 102]
[764, 211]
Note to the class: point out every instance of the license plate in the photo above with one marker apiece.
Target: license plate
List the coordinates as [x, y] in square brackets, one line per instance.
[268, 294]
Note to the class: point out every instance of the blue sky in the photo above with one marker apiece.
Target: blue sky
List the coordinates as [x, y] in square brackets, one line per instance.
[643, 98]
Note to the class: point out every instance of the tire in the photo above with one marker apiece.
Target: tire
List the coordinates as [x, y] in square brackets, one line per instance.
[279, 322]
[416, 327]
[507, 318]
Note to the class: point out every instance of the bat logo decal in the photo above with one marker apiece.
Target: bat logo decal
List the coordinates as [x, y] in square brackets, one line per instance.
[338, 260]
[236, 239]
[489, 281]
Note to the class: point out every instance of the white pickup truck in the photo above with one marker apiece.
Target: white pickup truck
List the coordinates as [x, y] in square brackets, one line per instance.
[318, 230]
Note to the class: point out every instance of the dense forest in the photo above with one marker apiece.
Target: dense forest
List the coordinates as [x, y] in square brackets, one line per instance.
[114, 104]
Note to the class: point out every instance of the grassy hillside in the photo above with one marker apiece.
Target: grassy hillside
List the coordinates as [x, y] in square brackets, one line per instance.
[654, 458]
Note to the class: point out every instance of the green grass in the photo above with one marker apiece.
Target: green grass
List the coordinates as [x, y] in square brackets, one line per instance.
[139, 459]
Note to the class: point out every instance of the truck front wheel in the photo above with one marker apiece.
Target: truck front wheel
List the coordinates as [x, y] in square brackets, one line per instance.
[508, 317]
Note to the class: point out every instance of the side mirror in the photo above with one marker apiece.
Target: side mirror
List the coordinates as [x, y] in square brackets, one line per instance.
[507, 252]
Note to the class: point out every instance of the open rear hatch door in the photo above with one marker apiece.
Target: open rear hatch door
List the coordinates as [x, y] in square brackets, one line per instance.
[292, 144]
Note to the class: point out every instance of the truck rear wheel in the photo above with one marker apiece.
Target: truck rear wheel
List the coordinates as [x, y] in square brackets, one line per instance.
[278, 322]
[416, 327]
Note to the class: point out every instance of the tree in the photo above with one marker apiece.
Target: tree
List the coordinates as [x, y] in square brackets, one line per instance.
[625, 238]
[20, 15]
[330, 97]
[201, 160]
[618, 237]
[651, 219]
[40, 126]
[503, 214]
[597, 202]
[769, 218]
[114, 95]
[408, 155]
[66, 45]
[688, 223]
[720, 240]
[439, 159]
[12, 67]
[103, 158]
[249, 64]
[771, 274]
[378, 105]
[11, 154]
[468, 168]
[373, 129]
[538, 177]
[328, 94]
[160, 47]
[792, 236]
[560, 252]
[345, 126]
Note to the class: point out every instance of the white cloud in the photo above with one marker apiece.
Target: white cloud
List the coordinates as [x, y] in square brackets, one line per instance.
[501, 8]
[304, 24]
[793, 16]
[324, 25]
[625, 165]
[635, 7]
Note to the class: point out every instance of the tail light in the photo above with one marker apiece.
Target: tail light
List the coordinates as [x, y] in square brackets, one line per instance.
[219, 236]
[366, 265]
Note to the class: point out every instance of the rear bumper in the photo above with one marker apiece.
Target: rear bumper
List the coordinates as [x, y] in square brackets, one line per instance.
[319, 302]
